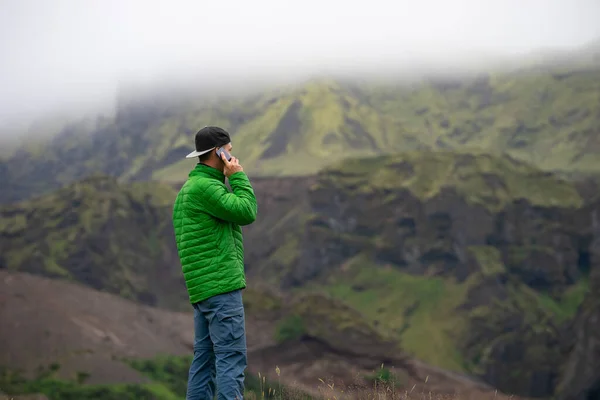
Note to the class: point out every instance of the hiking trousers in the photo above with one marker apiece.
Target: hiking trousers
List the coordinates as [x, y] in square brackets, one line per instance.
[220, 355]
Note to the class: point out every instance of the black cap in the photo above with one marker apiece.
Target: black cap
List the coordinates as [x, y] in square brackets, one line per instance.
[209, 138]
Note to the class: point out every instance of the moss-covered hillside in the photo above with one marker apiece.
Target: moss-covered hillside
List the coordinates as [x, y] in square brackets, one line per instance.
[487, 180]
[110, 236]
[548, 117]
[466, 257]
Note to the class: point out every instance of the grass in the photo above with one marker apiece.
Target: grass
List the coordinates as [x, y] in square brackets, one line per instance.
[290, 328]
[489, 258]
[419, 310]
[168, 376]
[13, 383]
[565, 308]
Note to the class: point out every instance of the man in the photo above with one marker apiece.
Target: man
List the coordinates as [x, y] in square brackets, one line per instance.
[207, 219]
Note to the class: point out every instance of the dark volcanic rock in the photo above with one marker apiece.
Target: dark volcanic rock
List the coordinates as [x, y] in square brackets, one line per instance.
[545, 247]
[581, 377]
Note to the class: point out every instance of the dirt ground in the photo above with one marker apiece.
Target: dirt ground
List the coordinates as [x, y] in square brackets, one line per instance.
[44, 321]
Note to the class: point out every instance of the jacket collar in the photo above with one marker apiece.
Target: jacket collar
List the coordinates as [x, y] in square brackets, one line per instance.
[208, 172]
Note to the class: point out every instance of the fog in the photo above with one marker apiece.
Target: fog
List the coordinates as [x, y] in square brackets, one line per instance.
[58, 55]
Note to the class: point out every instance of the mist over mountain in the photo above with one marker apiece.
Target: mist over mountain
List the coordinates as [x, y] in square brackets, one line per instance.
[72, 57]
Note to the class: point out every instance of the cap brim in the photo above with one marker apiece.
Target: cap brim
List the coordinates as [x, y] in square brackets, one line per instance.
[196, 153]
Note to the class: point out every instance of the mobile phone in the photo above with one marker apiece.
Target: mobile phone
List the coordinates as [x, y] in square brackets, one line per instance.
[223, 151]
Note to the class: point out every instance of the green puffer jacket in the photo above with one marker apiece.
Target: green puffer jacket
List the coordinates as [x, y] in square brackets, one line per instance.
[207, 219]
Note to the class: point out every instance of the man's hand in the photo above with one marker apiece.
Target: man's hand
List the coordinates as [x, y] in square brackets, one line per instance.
[232, 166]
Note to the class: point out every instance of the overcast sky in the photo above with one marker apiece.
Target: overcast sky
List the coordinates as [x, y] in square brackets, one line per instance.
[72, 52]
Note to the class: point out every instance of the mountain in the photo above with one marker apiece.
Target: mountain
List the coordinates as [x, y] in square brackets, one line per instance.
[467, 258]
[109, 236]
[446, 219]
[111, 348]
[442, 251]
[548, 117]
[118, 237]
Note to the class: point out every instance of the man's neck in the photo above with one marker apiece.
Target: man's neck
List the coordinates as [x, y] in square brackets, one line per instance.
[212, 164]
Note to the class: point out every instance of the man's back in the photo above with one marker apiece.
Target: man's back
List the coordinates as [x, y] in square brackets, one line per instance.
[206, 220]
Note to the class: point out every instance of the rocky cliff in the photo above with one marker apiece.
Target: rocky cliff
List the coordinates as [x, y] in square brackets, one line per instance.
[580, 379]
[478, 253]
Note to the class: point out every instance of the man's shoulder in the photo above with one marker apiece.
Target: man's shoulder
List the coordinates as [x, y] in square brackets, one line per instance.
[200, 185]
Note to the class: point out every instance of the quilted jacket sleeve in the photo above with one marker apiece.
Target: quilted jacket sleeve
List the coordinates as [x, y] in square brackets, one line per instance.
[238, 207]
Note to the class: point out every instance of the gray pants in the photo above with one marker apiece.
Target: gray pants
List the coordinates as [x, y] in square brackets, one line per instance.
[219, 349]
